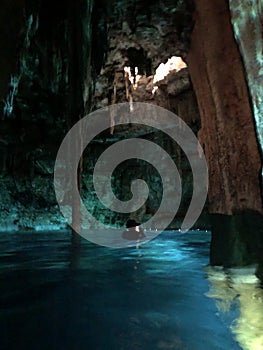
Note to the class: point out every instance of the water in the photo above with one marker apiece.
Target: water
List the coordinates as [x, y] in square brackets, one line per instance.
[63, 293]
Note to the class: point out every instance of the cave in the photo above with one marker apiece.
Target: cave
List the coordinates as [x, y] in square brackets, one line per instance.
[131, 174]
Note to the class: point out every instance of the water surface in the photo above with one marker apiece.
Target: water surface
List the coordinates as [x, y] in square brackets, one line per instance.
[63, 293]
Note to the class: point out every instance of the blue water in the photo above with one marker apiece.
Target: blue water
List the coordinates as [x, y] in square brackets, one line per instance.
[63, 293]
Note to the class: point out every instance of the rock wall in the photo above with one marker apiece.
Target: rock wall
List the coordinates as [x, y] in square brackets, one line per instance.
[132, 26]
[174, 93]
[48, 56]
[227, 134]
[61, 51]
[9, 36]
[247, 22]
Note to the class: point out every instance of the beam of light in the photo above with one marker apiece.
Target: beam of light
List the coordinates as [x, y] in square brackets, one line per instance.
[173, 64]
[237, 294]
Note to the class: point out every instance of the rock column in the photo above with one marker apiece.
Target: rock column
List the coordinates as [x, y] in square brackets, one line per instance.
[227, 134]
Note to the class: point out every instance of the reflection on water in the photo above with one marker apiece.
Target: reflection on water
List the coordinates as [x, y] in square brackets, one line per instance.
[74, 250]
[61, 292]
[239, 289]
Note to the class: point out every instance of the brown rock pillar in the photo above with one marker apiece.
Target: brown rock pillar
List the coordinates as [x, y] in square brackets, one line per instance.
[227, 134]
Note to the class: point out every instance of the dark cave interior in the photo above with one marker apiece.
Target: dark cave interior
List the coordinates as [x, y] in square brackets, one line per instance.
[62, 62]
[200, 60]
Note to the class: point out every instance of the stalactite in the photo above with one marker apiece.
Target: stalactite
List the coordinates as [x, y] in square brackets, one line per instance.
[126, 77]
[113, 100]
[9, 101]
[76, 56]
[179, 160]
[31, 27]
[130, 83]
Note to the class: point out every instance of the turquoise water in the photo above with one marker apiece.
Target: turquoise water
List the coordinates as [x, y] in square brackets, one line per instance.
[63, 293]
